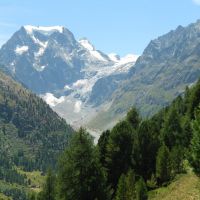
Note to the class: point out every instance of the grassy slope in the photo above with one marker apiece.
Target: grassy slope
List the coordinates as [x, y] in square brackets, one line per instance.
[184, 187]
[36, 183]
[36, 179]
[3, 197]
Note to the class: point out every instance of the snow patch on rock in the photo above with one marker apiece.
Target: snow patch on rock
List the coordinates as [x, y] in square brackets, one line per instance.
[21, 49]
[44, 29]
[52, 100]
[77, 106]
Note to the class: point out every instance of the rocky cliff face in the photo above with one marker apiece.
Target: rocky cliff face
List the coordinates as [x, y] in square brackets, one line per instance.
[168, 64]
[67, 73]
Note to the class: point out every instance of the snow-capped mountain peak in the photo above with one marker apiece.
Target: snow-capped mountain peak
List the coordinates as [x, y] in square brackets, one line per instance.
[129, 58]
[91, 49]
[67, 73]
[114, 57]
[47, 30]
[86, 44]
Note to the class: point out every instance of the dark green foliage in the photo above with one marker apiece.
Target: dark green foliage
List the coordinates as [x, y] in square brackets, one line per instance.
[158, 145]
[30, 126]
[133, 118]
[80, 173]
[121, 189]
[172, 131]
[32, 196]
[119, 152]
[141, 190]
[49, 188]
[148, 147]
[195, 143]
[187, 131]
[133, 148]
[176, 160]
[194, 100]
[130, 185]
[163, 170]
[102, 146]
[126, 187]
[15, 193]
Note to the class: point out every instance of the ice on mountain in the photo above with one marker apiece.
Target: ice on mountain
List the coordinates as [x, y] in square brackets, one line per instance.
[21, 49]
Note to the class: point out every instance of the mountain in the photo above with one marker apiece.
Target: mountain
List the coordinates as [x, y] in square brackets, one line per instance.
[32, 136]
[66, 73]
[88, 87]
[29, 129]
[168, 64]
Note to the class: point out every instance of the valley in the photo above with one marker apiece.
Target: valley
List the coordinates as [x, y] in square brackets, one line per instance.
[79, 123]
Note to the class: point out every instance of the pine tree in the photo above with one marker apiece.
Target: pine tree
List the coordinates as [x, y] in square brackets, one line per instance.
[195, 143]
[163, 165]
[102, 145]
[148, 147]
[130, 185]
[80, 174]
[141, 190]
[176, 159]
[194, 100]
[133, 118]
[119, 152]
[126, 187]
[172, 131]
[48, 192]
[121, 189]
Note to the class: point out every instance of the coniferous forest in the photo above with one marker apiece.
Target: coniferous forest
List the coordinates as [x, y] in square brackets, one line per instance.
[115, 116]
[136, 156]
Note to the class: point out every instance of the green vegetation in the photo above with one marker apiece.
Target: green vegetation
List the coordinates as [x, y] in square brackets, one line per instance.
[31, 138]
[138, 159]
[183, 187]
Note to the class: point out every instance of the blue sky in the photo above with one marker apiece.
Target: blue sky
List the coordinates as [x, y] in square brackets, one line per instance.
[121, 26]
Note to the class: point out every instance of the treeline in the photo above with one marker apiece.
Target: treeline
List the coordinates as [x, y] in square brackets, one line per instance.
[134, 157]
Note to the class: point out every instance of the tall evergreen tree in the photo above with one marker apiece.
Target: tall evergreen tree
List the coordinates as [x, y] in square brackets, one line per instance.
[195, 143]
[48, 192]
[163, 165]
[148, 147]
[126, 187]
[133, 118]
[194, 100]
[121, 189]
[80, 173]
[176, 160]
[119, 152]
[141, 190]
[102, 145]
[130, 185]
[172, 131]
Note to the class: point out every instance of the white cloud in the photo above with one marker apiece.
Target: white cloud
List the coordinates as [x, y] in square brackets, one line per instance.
[197, 2]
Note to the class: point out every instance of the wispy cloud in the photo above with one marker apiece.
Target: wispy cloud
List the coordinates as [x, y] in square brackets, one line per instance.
[197, 2]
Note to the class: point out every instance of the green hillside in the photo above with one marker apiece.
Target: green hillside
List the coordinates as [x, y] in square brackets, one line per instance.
[32, 137]
[184, 187]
